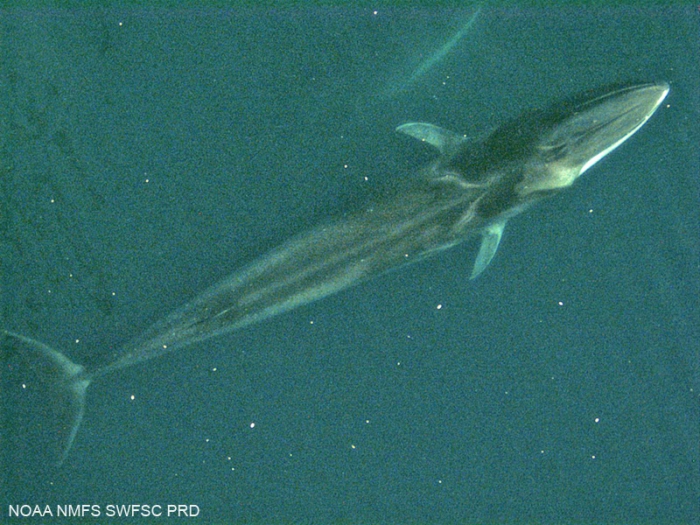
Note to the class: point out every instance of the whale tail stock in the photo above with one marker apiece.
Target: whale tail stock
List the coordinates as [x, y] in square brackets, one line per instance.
[63, 382]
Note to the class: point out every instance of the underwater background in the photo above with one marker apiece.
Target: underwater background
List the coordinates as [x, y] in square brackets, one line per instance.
[146, 154]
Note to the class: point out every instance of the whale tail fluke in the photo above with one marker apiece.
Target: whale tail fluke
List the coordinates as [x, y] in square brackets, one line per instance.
[64, 383]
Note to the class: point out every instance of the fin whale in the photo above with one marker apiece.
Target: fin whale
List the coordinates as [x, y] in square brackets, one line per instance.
[471, 189]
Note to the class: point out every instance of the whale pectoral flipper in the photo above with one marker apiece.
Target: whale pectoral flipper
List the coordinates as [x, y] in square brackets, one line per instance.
[491, 239]
[65, 382]
[447, 142]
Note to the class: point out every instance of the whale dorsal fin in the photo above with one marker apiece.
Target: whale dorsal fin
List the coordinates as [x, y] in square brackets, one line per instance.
[447, 142]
